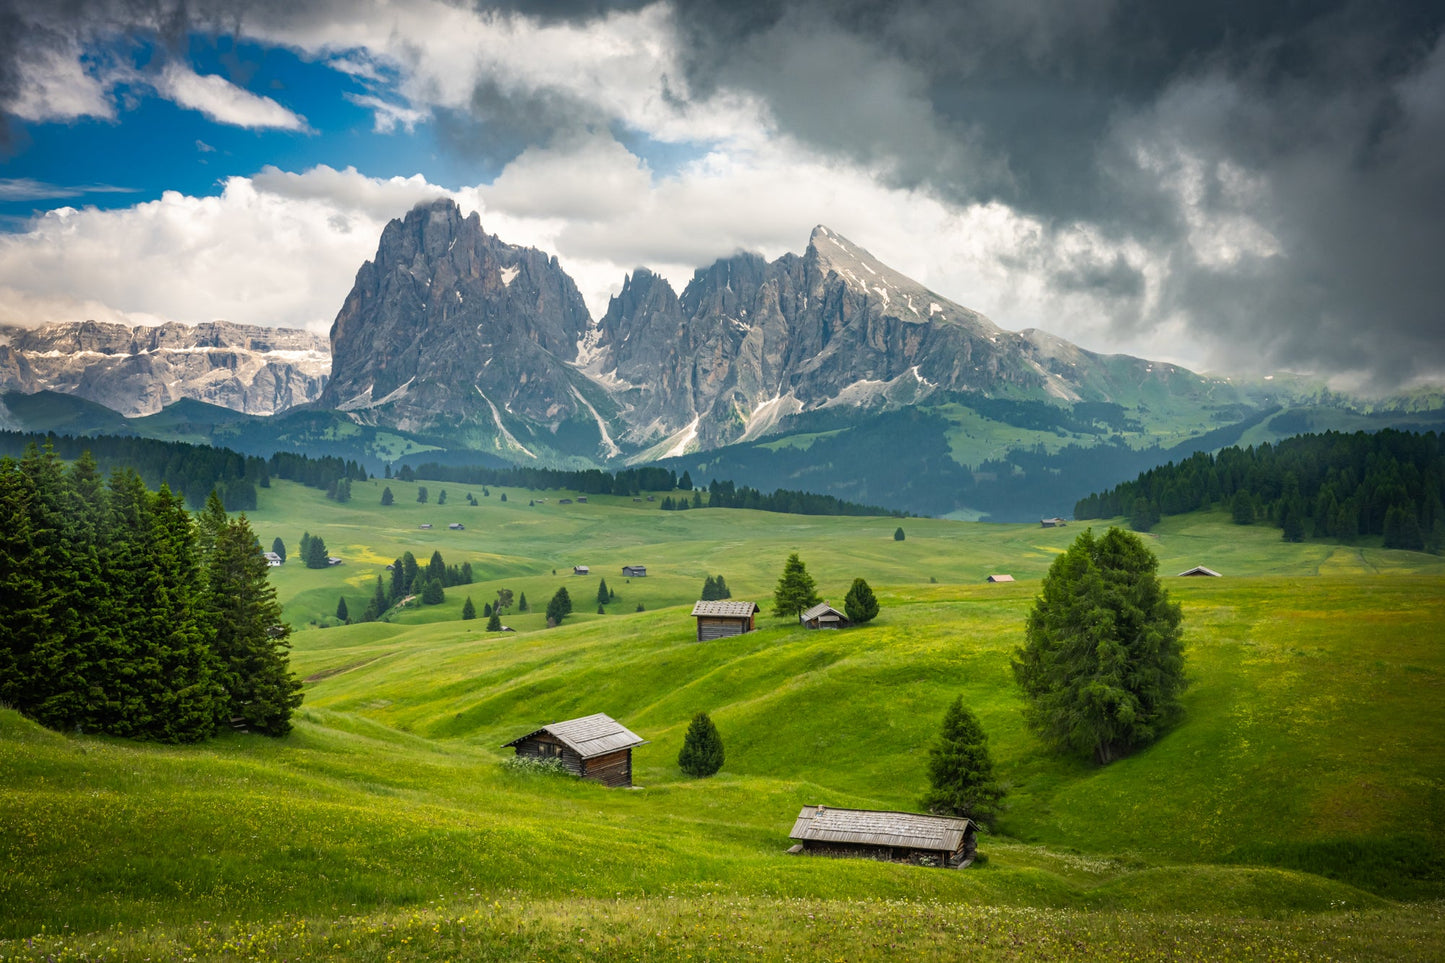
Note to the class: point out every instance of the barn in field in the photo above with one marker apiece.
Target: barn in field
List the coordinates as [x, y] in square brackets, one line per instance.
[1054, 522]
[595, 747]
[634, 571]
[717, 620]
[1000, 578]
[1199, 571]
[824, 616]
[948, 841]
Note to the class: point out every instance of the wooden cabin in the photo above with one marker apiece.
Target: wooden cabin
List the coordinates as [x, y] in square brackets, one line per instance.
[580, 570]
[272, 559]
[1000, 578]
[824, 616]
[595, 747]
[634, 571]
[1199, 570]
[948, 841]
[717, 620]
[1054, 522]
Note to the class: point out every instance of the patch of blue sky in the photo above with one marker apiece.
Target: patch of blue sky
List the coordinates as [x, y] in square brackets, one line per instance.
[153, 145]
[664, 158]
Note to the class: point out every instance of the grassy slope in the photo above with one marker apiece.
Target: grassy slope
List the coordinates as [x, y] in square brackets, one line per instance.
[1314, 740]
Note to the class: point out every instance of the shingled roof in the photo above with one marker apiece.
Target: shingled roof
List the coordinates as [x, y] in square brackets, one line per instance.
[879, 828]
[739, 610]
[822, 608]
[589, 736]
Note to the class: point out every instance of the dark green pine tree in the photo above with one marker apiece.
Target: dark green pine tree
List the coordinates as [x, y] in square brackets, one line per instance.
[182, 699]
[898, 535]
[316, 555]
[702, 748]
[397, 590]
[1103, 665]
[860, 605]
[27, 597]
[559, 607]
[410, 570]
[960, 769]
[279, 548]
[522, 602]
[494, 623]
[709, 589]
[602, 596]
[796, 590]
[1241, 507]
[251, 641]
[467, 578]
[387, 497]
[378, 605]
[210, 521]
[469, 611]
[723, 592]
[433, 593]
[341, 612]
[436, 569]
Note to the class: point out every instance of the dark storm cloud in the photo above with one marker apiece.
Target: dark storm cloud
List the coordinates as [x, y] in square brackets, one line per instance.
[1280, 160]
[1141, 120]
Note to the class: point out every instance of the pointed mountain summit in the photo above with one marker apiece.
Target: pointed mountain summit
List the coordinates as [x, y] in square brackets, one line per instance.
[450, 329]
[751, 341]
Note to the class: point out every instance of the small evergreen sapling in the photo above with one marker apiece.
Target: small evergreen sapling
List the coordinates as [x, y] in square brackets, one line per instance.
[702, 748]
[898, 535]
[960, 769]
[796, 589]
[469, 611]
[341, 612]
[386, 496]
[860, 605]
[494, 623]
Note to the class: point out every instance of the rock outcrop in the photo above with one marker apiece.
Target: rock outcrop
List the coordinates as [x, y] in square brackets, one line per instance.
[139, 370]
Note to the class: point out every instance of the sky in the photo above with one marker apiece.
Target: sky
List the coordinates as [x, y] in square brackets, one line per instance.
[1234, 186]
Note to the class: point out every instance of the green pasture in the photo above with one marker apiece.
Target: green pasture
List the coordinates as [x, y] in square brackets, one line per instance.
[1297, 811]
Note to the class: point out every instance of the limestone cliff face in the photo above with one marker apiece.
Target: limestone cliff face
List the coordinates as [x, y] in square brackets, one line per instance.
[750, 341]
[138, 371]
[451, 327]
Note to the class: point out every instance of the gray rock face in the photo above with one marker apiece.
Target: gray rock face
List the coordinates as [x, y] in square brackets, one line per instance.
[451, 327]
[138, 371]
[750, 341]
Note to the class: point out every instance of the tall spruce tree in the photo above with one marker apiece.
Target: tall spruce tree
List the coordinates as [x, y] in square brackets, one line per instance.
[342, 612]
[796, 589]
[251, 641]
[469, 611]
[702, 748]
[960, 769]
[182, 699]
[436, 568]
[316, 555]
[602, 596]
[1103, 665]
[278, 547]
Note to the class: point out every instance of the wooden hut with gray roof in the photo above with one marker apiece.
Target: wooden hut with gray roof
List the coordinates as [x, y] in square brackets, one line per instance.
[595, 747]
[894, 837]
[717, 620]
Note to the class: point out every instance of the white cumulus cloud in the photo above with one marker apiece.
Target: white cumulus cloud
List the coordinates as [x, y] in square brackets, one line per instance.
[224, 102]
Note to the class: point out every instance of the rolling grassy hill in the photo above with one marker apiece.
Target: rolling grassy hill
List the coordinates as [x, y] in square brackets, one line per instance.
[1298, 809]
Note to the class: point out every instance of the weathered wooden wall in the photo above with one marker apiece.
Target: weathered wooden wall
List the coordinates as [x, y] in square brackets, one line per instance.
[613, 769]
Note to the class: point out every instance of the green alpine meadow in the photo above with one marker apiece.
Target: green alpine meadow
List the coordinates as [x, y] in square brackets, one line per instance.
[1293, 807]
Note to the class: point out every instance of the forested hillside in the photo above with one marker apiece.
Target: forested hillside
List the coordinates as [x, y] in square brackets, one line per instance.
[1330, 485]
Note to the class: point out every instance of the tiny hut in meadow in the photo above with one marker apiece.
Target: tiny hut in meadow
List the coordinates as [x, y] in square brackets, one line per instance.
[824, 616]
[595, 747]
[1198, 571]
[1000, 578]
[894, 837]
[634, 571]
[717, 620]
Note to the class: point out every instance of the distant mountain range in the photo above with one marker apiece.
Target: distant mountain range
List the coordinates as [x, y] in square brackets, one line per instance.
[828, 371]
[140, 370]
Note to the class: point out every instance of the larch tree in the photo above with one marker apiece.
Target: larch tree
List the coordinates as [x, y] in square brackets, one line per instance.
[1102, 668]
